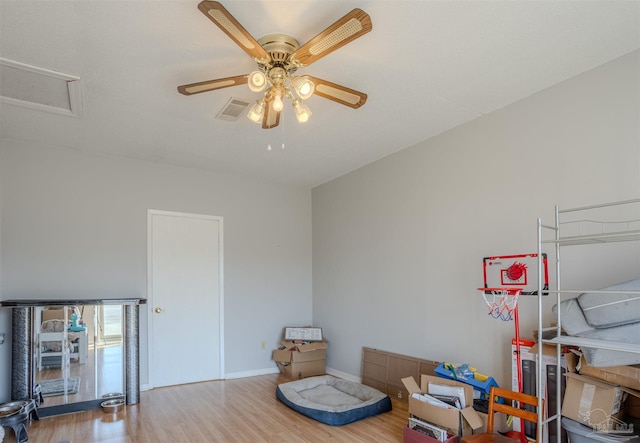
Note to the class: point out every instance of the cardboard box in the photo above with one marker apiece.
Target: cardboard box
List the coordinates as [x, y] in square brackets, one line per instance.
[301, 360]
[304, 347]
[302, 369]
[55, 314]
[627, 376]
[594, 402]
[449, 418]
[286, 356]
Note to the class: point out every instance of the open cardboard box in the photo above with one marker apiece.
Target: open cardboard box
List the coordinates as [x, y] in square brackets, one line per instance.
[301, 360]
[595, 403]
[295, 356]
[449, 418]
[627, 376]
[304, 347]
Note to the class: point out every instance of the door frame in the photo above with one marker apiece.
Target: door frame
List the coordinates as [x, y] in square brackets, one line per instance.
[150, 214]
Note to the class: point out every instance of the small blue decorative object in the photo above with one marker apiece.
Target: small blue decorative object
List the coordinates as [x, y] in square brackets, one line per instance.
[74, 324]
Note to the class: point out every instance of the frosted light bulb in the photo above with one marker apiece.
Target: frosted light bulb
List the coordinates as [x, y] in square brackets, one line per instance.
[277, 103]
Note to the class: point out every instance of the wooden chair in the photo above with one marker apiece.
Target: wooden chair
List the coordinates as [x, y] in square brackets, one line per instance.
[493, 437]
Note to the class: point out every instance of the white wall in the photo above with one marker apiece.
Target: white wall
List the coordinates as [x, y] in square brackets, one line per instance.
[75, 225]
[398, 244]
[5, 327]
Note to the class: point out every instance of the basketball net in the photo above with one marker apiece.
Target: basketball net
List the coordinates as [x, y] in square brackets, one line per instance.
[502, 302]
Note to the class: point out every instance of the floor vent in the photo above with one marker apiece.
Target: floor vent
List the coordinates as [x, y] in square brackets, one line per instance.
[233, 109]
[38, 88]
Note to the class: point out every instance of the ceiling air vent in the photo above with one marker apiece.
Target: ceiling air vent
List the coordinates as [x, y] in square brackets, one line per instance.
[233, 109]
[38, 88]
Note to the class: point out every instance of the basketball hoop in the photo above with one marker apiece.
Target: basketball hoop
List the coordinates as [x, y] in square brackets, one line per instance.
[502, 302]
[506, 278]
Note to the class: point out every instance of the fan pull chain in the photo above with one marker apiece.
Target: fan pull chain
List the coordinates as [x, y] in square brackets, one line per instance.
[282, 132]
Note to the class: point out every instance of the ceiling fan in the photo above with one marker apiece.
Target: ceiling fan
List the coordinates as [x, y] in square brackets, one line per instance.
[278, 57]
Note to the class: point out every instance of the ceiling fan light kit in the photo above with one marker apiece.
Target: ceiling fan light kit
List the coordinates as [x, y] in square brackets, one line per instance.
[278, 57]
[257, 81]
[257, 111]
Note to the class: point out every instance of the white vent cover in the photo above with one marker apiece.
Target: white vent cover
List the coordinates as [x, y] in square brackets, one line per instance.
[38, 88]
[233, 109]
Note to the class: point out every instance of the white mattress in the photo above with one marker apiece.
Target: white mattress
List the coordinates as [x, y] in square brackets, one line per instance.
[603, 310]
[575, 324]
[573, 320]
[629, 333]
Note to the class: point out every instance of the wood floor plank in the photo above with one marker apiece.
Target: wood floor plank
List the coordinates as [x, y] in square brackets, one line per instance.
[230, 411]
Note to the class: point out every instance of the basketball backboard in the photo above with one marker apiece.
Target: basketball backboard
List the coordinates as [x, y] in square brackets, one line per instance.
[515, 272]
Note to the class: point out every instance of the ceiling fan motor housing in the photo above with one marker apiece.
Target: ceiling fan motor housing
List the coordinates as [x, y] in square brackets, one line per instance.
[280, 47]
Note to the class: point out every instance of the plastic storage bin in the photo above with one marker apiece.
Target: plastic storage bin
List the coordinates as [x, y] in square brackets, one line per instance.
[480, 382]
[579, 433]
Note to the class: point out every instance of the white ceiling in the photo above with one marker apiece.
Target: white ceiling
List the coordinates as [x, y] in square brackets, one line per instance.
[427, 66]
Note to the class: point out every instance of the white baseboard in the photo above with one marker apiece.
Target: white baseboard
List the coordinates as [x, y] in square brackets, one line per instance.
[251, 373]
[266, 371]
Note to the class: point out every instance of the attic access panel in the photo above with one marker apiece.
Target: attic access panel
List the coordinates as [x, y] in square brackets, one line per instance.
[38, 88]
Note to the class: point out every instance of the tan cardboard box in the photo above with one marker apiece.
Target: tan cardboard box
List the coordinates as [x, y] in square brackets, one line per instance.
[594, 402]
[286, 356]
[305, 347]
[300, 361]
[627, 376]
[449, 418]
[302, 369]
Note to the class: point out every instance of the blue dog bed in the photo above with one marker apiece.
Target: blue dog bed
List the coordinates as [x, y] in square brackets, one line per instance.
[331, 400]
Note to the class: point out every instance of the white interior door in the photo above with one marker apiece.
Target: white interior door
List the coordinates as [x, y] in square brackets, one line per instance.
[185, 298]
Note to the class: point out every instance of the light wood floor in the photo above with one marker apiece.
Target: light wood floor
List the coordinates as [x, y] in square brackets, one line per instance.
[101, 374]
[240, 410]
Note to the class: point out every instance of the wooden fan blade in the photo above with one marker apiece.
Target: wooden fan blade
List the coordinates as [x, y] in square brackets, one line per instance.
[230, 26]
[337, 93]
[271, 118]
[212, 85]
[348, 28]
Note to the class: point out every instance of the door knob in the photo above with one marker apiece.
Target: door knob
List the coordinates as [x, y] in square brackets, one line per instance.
[158, 310]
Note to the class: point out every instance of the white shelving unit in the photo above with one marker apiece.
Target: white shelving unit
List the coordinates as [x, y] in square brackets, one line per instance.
[581, 229]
